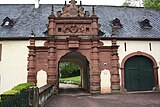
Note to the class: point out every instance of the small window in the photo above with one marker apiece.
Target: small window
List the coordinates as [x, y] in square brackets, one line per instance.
[0, 51]
[125, 47]
[8, 22]
[59, 29]
[145, 24]
[116, 23]
[150, 46]
[87, 29]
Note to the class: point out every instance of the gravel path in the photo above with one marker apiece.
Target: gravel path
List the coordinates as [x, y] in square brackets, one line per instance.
[70, 89]
[65, 86]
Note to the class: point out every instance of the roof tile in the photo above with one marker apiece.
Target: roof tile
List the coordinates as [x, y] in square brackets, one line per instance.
[28, 18]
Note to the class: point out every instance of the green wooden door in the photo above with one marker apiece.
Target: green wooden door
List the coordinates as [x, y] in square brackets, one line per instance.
[138, 74]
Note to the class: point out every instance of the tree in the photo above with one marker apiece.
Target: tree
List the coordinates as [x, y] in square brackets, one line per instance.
[127, 3]
[133, 3]
[153, 4]
[68, 69]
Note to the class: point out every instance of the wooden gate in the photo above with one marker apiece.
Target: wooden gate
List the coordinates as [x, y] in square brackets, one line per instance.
[139, 74]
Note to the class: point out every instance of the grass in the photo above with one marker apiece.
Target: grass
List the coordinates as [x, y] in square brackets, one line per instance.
[71, 80]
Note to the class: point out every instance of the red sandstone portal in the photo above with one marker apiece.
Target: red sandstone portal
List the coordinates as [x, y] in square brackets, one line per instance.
[73, 32]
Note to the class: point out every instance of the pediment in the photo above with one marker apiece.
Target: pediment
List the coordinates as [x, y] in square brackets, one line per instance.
[71, 10]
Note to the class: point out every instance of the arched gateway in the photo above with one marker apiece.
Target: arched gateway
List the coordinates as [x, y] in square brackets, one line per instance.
[73, 31]
[83, 63]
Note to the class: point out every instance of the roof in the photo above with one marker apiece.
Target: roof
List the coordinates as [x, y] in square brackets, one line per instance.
[27, 18]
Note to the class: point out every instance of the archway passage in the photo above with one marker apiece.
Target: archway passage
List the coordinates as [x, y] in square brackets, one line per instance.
[138, 74]
[80, 60]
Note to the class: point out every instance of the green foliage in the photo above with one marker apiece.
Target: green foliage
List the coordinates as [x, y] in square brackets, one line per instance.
[23, 86]
[16, 90]
[153, 4]
[11, 92]
[68, 69]
[8, 94]
[126, 3]
[72, 80]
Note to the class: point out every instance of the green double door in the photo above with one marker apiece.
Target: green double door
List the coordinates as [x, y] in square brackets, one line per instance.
[138, 74]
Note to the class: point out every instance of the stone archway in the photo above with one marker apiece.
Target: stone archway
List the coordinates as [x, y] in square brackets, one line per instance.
[48, 56]
[139, 53]
[79, 59]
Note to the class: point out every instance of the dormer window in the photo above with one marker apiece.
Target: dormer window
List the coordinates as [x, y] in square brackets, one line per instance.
[116, 23]
[7, 22]
[145, 24]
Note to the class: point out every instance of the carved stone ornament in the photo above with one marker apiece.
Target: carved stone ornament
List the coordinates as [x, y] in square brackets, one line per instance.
[73, 29]
[71, 10]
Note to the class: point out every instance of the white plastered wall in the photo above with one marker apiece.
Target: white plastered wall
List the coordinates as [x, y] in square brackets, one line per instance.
[13, 64]
[134, 46]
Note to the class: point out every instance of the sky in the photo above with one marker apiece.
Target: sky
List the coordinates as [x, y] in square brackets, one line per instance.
[84, 2]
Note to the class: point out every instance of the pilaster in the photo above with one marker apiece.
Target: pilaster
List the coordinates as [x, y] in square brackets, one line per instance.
[31, 62]
[115, 79]
[52, 75]
[95, 72]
